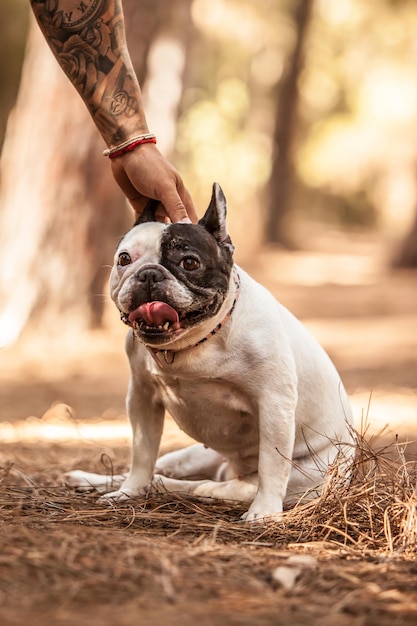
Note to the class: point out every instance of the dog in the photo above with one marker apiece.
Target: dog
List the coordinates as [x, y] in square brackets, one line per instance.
[233, 367]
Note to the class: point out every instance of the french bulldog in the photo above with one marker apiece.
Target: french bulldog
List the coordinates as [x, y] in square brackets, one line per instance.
[233, 367]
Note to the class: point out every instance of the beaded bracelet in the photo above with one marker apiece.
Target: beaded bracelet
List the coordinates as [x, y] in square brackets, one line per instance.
[129, 145]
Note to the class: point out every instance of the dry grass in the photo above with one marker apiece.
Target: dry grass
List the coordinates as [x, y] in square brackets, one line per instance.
[64, 554]
[374, 512]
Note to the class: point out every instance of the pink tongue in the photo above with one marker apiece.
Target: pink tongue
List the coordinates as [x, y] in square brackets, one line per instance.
[155, 314]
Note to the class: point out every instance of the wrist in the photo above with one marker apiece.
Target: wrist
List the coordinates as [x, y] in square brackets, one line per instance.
[116, 135]
[118, 125]
[130, 144]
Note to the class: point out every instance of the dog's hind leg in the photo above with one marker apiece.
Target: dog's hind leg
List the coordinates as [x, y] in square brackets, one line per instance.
[88, 481]
[194, 462]
[235, 489]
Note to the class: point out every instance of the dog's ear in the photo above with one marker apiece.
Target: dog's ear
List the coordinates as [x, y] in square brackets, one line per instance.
[148, 213]
[214, 219]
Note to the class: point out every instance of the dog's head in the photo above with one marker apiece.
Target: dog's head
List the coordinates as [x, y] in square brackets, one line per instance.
[168, 279]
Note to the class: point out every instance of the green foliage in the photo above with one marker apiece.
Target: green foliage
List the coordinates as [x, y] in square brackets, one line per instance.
[358, 105]
[224, 132]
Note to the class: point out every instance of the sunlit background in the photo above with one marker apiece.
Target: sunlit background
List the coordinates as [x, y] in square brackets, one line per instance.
[317, 155]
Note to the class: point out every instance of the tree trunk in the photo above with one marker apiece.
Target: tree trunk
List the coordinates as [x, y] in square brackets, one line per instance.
[56, 192]
[168, 59]
[281, 182]
[407, 253]
[142, 23]
[60, 210]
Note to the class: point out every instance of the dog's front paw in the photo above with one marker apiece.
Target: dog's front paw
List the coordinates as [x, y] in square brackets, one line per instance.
[260, 518]
[115, 496]
[123, 494]
[260, 512]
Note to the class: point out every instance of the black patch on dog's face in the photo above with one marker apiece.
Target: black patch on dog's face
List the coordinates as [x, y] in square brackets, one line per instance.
[195, 258]
[200, 256]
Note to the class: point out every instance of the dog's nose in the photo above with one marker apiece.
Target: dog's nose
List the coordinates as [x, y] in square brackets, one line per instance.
[150, 275]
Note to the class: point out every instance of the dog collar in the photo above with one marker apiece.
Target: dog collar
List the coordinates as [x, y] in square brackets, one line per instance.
[169, 355]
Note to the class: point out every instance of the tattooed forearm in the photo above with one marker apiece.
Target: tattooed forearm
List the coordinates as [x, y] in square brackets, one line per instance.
[87, 37]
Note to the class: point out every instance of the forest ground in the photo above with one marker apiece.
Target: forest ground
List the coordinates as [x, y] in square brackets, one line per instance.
[66, 560]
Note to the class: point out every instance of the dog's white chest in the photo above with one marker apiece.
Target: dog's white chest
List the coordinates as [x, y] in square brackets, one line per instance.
[212, 411]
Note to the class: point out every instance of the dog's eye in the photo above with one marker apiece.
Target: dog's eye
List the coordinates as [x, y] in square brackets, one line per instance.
[189, 263]
[124, 259]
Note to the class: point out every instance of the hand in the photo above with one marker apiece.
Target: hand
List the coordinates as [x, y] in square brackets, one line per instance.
[144, 173]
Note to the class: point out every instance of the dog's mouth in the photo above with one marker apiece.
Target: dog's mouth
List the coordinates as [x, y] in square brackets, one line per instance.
[159, 319]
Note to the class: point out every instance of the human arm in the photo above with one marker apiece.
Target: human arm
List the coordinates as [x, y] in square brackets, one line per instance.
[88, 39]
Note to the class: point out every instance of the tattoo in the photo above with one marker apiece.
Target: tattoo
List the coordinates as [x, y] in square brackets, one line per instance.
[87, 38]
[72, 15]
[119, 103]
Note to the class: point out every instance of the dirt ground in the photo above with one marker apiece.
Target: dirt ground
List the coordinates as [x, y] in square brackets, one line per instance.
[66, 560]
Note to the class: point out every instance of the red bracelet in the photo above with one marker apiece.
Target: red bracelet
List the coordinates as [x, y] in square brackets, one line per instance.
[129, 145]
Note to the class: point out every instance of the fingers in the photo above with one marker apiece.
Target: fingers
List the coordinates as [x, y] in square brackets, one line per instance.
[189, 206]
[177, 211]
[178, 203]
[144, 174]
[175, 207]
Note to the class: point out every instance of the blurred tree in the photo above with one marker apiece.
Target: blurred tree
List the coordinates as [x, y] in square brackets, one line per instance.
[13, 32]
[168, 71]
[224, 132]
[281, 182]
[60, 209]
[358, 111]
[407, 253]
[55, 192]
